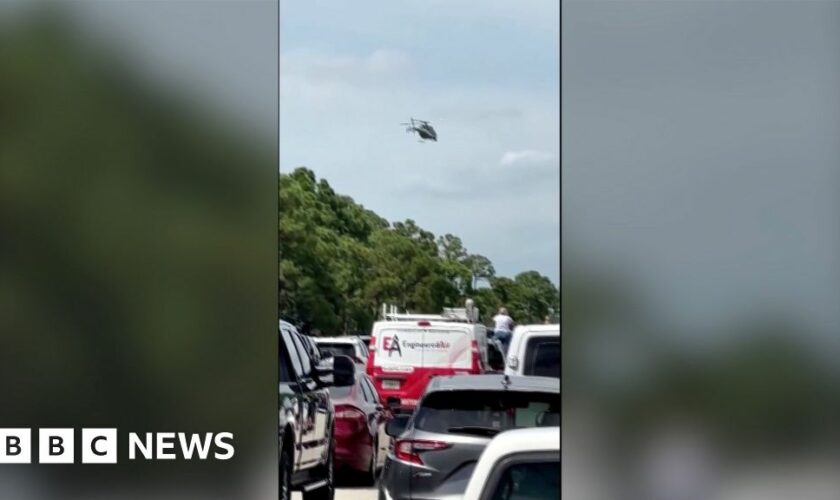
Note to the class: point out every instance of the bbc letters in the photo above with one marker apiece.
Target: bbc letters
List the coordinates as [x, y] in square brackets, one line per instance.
[99, 446]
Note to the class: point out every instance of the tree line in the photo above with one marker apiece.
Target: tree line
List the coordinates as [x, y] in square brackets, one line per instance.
[338, 262]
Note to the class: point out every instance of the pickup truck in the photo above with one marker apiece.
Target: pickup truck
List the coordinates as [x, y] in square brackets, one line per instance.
[307, 417]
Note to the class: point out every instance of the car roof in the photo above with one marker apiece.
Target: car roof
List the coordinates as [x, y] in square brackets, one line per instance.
[287, 325]
[549, 329]
[337, 340]
[493, 382]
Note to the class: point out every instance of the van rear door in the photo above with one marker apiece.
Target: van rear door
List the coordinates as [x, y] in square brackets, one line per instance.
[407, 356]
[448, 348]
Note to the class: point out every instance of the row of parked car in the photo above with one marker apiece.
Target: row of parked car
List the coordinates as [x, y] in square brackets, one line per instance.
[422, 401]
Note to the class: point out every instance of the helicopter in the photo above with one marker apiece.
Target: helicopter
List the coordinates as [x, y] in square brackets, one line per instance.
[422, 129]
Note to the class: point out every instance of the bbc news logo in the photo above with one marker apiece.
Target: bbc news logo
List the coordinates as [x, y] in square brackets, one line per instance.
[99, 446]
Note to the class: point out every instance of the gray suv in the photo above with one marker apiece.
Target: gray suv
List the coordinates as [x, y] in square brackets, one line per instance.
[436, 448]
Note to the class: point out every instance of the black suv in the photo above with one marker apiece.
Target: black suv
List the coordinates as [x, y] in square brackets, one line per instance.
[306, 422]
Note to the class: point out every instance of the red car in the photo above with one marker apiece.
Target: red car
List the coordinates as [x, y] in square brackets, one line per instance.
[359, 429]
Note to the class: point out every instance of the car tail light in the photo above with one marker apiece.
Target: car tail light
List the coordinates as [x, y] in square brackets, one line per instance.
[349, 418]
[371, 352]
[513, 362]
[476, 357]
[423, 323]
[408, 450]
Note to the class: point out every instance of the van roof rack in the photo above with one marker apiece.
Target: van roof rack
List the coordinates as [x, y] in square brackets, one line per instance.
[467, 314]
[414, 317]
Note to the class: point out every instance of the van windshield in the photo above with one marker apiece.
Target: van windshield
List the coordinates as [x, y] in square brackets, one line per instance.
[426, 347]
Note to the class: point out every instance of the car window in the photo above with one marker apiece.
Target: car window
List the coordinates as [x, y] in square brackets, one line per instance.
[369, 395]
[337, 349]
[484, 413]
[291, 351]
[363, 390]
[374, 397]
[311, 348]
[284, 364]
[542, 357]
[529, 481]
[304, 356]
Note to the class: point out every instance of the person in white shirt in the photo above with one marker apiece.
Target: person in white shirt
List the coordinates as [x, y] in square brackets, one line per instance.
[503, 328]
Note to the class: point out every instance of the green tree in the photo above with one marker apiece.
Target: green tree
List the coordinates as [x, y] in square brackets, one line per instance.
[338, 262]
[480, 269]
[453, 255]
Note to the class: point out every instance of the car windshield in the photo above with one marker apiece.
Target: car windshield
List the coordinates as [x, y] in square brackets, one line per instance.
[485, 413]
[543, 357]
[337, 349]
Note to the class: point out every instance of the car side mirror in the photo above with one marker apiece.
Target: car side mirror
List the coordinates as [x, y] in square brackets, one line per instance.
[344, 371]
[396, 426]
[323, 373]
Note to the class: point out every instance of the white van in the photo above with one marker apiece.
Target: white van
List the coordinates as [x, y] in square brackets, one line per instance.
[534, 350]
[406, 351]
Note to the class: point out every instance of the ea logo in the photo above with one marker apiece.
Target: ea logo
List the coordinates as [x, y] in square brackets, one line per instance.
[392, 344]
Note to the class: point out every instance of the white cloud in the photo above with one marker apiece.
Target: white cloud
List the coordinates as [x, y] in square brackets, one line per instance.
[316, 66]
[329, 81]
[388, 61]
[525, 157]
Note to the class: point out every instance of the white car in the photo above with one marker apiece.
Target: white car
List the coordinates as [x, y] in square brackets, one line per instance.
[521, 464]
[343, 346]
[534, 350]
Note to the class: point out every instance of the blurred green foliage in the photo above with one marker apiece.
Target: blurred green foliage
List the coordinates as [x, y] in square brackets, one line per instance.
[136, 250]
[757, 386]
[339, 262]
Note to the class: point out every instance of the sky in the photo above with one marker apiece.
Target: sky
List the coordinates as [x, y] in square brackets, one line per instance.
[701, 155]
[700, 150]
[485, 73]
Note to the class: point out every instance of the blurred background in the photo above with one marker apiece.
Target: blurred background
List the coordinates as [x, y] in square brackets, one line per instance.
[701, 255]
[138, 243]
